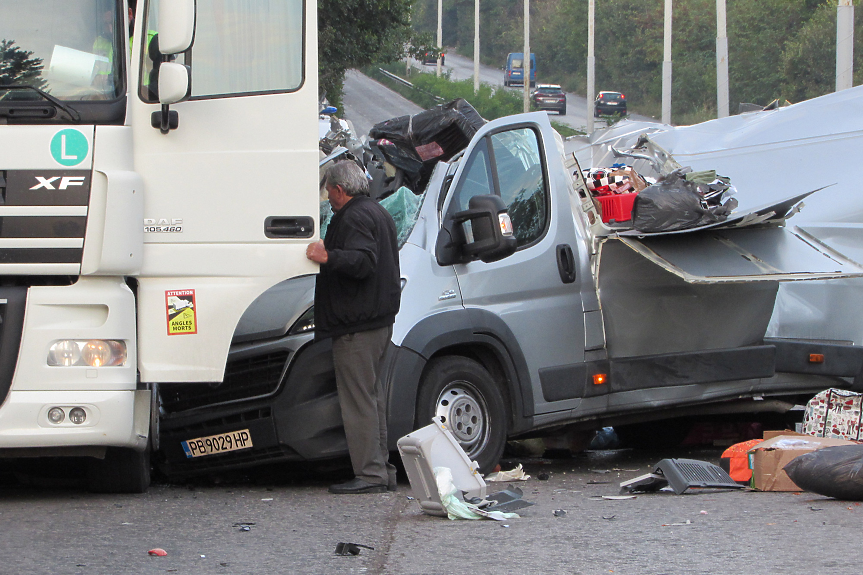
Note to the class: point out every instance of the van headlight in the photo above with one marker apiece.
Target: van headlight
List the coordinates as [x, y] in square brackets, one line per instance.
[87, 353]
[305, 323]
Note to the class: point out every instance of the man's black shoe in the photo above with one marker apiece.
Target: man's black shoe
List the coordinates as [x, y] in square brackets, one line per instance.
[357, 485]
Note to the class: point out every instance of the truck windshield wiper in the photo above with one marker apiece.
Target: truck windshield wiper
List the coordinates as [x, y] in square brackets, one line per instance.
[72, 112]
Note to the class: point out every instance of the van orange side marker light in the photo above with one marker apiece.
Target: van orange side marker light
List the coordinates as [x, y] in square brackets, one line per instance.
[816, 358]
[599, 378]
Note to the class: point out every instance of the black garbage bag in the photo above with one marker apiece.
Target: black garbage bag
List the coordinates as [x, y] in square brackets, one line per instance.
[831, 471]
[416, 143]
[676, 204]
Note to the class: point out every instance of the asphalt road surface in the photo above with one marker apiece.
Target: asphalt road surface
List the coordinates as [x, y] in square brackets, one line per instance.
[368, 102]
[285, 522]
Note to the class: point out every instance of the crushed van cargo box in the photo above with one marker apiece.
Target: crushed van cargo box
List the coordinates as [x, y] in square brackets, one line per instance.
[768, 458]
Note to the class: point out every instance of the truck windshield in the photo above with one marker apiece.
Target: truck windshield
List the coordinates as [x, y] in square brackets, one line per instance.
[71, 50]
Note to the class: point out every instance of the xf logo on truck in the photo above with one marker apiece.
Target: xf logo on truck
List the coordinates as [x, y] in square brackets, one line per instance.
[47, 187]
[47, 183]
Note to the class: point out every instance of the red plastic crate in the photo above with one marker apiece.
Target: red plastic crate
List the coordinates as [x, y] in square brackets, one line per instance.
[617, 207]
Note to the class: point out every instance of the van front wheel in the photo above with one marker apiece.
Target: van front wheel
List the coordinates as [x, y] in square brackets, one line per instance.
[463, 394]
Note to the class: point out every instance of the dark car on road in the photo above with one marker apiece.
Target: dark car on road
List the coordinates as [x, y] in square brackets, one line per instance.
[608, 103]
[431, 58]
[549, 97]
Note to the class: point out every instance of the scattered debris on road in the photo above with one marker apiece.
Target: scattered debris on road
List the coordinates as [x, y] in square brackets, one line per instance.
[350, 548]
[516, 474]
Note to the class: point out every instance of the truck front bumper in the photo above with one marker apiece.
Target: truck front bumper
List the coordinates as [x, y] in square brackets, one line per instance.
[24, 422]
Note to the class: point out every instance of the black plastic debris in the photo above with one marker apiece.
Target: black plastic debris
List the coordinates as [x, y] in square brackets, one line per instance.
[543, 476]
[559, 513]
[414, 144]
[350, 548]
[831, 471]
[507, 501]
[676, 203]
[680, 475]
[244, 526]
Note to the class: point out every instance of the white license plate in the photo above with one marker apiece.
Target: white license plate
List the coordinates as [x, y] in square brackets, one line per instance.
[221, 443]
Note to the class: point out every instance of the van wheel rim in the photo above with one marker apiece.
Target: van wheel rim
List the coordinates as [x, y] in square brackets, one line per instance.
[464, 412]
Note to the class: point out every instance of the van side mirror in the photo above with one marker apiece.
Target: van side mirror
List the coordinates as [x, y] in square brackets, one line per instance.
[483, 232]
[176, 26]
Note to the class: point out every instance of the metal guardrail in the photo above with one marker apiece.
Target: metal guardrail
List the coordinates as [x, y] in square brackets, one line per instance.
[403, 82]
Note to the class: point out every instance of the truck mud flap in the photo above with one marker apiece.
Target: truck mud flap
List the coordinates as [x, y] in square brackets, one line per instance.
[692, 367]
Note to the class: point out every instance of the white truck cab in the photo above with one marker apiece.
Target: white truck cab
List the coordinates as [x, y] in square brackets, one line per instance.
[155, 182]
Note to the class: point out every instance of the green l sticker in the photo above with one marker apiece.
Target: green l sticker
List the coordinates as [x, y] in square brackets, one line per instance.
[69, 147]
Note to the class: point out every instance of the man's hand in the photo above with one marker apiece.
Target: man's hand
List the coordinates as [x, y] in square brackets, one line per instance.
[317, 252]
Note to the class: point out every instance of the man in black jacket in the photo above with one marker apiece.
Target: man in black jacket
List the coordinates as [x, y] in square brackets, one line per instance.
[357, 295]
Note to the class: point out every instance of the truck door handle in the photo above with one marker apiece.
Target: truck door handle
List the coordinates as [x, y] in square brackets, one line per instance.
[289, 227]
[565, 263]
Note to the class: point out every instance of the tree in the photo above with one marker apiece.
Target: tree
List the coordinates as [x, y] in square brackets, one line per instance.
[17, 66]
[356, 33]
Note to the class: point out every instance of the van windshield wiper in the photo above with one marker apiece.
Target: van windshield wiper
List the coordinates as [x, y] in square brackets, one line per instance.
[72, 112]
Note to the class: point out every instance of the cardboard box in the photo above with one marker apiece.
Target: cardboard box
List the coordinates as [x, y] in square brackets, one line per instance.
[768, 458]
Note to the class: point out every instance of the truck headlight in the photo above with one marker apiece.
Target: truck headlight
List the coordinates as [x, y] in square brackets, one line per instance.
[88, 353]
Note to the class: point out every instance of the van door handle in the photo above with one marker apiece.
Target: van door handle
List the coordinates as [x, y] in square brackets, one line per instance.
[289, 227]
[565, 263]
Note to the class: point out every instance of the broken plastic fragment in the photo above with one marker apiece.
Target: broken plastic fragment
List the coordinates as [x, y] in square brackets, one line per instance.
[559, 513]
[157, 552]
[350, 548]
[516, 474]
[454, 504]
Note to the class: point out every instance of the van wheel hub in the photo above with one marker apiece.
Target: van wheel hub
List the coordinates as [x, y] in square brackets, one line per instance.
[462, 412]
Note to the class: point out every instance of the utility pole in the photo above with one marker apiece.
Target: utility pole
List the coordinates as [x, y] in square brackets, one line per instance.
[721, 61]
[439, 34]
[475, 46]
[526, 54]
[591, 64]
[666, 67]
[844, 45]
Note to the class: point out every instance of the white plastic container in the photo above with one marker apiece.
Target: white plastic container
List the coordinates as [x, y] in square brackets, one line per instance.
[434, 446]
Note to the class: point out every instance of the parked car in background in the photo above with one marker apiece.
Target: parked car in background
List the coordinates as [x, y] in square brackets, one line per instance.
[549, 97]
[514, 71]
[608, 103]
[431, 58]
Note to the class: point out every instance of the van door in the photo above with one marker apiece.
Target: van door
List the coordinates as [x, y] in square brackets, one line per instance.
[536, 292]
[231, 194]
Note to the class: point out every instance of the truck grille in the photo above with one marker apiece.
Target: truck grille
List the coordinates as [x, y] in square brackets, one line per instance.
[244, 379]
[43, 217]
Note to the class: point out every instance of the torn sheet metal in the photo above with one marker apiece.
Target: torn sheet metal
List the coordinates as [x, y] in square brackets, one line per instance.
[744, 255]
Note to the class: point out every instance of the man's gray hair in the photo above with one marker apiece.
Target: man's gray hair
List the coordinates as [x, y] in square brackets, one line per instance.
[349, 176]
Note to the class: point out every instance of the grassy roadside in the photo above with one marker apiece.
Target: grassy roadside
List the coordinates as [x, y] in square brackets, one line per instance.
[429, 91]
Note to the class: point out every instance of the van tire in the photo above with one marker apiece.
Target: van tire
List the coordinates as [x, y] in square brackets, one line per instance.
[123, 470]
[463, 393]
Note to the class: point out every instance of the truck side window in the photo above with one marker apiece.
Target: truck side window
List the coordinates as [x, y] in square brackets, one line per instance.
[243, 48]
[509, 165]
